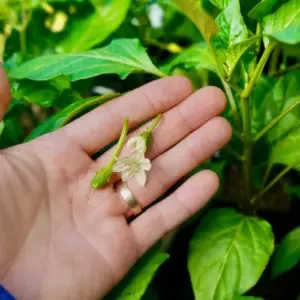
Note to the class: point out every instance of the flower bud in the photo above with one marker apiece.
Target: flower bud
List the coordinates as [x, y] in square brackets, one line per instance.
[101, 178]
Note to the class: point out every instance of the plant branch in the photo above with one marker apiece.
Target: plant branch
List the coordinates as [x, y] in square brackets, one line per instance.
[260, 66]
[289, 69]
[275, 121]
[274, 60]
[274, 181]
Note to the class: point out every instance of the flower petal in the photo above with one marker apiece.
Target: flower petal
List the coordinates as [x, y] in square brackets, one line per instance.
[137, 144]
[126, 175]
[120, 167]
[141, 178]
[145, 164]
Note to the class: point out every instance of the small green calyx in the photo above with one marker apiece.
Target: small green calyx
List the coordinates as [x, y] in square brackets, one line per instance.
[101, 178]
[147, 136]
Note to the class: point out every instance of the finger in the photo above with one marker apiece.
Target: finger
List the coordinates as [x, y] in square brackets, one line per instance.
[172, 165]
[4, 92]
[181, 120]
[103, 125]
[164, 216]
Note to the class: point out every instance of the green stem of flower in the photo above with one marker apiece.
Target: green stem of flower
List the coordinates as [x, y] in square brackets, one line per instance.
[274, 60]
[275, 121]
[120, 144]
[155, 123]
[267, 174]
[274, 181]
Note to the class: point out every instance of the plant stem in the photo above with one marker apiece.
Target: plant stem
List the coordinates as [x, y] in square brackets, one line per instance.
[247, 155]
[155, 123]
[275, 121]
[274, 181]
[260, 66]
[267, 174]
[120, 144]
[246, 116]
[289, 69]
[274, 60]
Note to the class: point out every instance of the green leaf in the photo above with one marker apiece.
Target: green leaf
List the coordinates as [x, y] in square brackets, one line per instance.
[232, 29]
[281, 97]
[85, 33]
[287, 254]
[221, 4]
[122, 57]
[291, 35]
[204, 22]
[292, 190]
[261, 9]
[1, 127]
[235, 52]
[197, 56]
[69, 113]
[248, 298]
[136, 282]
[287, 150]
[288, 14]
[228, 253]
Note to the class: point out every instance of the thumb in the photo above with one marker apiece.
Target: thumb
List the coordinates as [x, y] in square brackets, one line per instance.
[4, 92]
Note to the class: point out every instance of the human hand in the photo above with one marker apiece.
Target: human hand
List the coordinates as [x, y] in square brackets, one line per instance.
[59, 239]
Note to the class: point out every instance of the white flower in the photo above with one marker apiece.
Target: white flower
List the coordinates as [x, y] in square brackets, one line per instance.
[131, 166]
[137, 144]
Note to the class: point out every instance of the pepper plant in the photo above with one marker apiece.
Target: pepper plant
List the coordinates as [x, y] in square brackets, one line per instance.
[58, 54]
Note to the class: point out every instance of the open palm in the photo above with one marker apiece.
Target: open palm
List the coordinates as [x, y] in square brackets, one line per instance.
[60, 239]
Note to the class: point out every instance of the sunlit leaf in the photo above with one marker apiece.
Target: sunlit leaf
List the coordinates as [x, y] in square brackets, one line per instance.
[204, 22]
[122, 57]
[88, 32]
[136, 282]
[287, 254]
[69, 113]
[230, 248]
[288, 14]
[291, 35]
[232, 29]
[197, 56]
[261, 9]
[235, 52]
[221, 4]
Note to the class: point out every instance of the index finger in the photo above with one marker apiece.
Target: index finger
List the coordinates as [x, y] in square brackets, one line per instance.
[103, 125]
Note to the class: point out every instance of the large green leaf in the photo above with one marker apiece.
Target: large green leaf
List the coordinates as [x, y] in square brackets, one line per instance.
[261, 9]
[287, 254]
[94, 29]
[232, 29]
[122, 57]
[204, 22]
[288, 14]
[197, 56]
[228, 254]
[136, 282]
[291, 35]
[281, 97]
[235, 52]
[287, 150]
[69, 113]
[44, 93]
